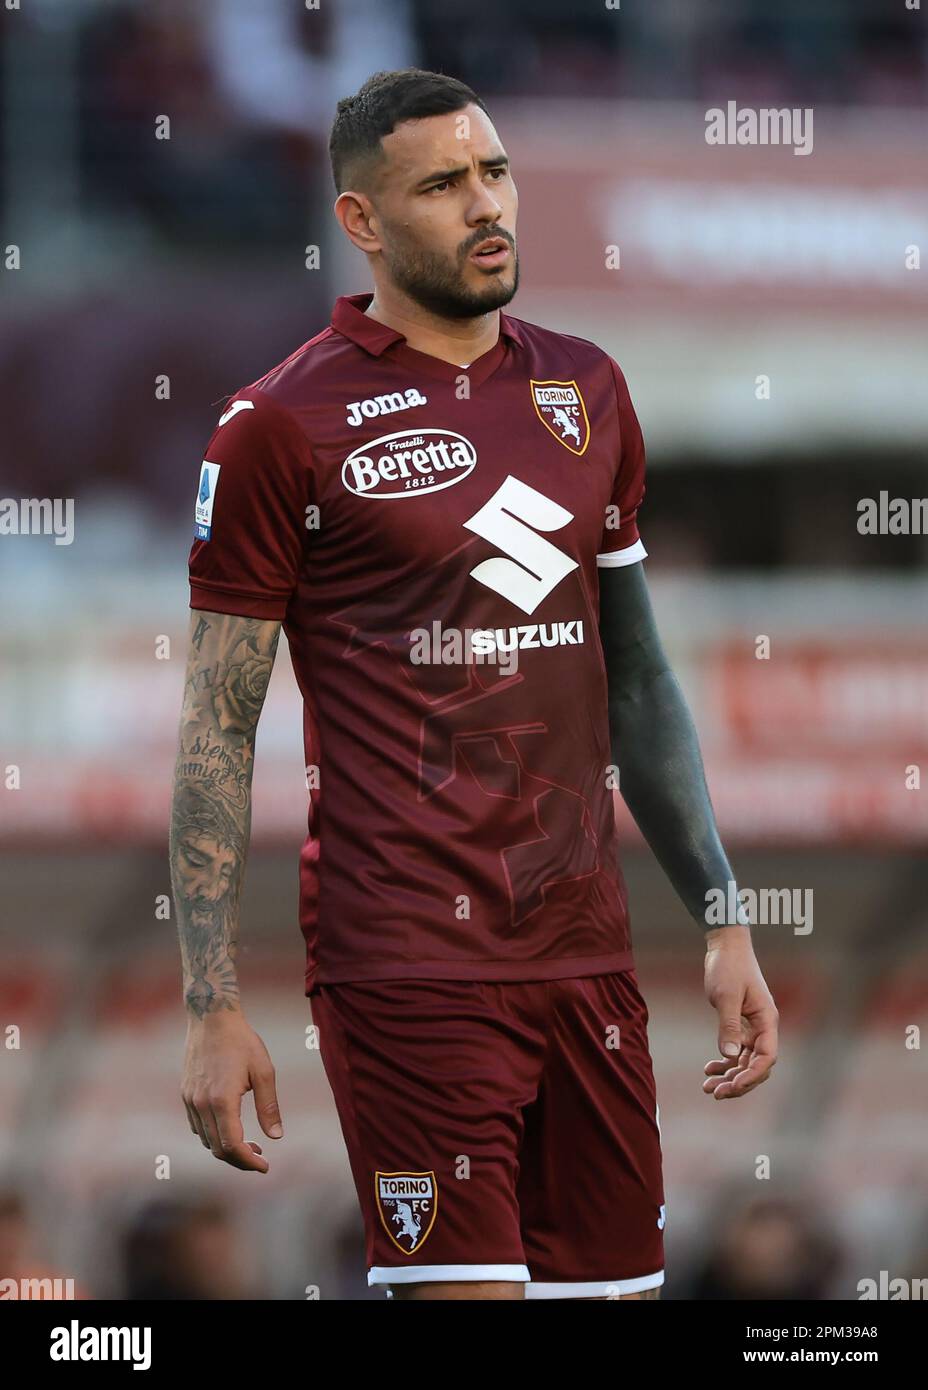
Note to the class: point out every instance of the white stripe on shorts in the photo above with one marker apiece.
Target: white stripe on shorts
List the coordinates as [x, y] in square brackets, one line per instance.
[463, 1274]
[604, 1288]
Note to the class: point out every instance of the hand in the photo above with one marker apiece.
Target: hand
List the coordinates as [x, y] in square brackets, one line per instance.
[748, 1017]
[224, 1059]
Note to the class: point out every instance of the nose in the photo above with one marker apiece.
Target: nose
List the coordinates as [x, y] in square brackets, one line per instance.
[484, 208]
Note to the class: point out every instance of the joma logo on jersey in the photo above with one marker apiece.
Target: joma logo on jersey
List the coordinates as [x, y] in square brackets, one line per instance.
[511, 520]
[560, 408]
[406, 464]
[408, 1203]
[384, 405]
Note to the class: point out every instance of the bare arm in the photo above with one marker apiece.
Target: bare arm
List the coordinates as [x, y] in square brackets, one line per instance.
[229, 665]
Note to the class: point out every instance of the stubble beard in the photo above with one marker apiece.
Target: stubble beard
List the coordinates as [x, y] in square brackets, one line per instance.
[434, 284]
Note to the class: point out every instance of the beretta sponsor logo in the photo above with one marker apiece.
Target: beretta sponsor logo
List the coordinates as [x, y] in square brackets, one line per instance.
[411, 462]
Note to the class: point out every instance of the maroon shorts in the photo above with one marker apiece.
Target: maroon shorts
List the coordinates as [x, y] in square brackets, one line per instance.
[500, 1131]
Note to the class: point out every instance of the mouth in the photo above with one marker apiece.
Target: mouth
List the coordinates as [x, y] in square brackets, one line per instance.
[491, 253]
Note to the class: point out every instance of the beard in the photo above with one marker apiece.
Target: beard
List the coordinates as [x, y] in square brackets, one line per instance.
[434, 283]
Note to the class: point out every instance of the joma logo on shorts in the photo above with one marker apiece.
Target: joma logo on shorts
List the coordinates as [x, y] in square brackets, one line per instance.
[384, 405]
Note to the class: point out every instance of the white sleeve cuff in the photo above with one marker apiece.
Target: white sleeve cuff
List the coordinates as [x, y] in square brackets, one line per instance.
[628, 556]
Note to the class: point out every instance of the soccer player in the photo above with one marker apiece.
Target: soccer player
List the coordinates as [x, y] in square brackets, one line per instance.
[438, 502]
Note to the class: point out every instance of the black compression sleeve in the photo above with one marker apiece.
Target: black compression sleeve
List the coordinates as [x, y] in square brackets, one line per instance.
[655, 746]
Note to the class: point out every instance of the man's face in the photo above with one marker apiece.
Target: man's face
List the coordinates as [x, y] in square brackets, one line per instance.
[443, 191]
[206, 868]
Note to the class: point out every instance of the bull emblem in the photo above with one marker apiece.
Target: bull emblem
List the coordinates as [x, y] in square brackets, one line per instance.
[407, 1203]
[560, 407]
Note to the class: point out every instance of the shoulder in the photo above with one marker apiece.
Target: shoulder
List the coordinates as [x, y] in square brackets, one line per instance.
[283, 392]
[578, 355]
[550, 342]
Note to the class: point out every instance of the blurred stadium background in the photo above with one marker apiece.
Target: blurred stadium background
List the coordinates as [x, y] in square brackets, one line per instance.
[145, 261]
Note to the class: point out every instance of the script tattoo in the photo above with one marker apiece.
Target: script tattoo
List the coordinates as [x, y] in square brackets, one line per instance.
[228, 669]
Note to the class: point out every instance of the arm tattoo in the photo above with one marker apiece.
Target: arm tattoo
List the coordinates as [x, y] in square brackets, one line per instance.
[228, 669]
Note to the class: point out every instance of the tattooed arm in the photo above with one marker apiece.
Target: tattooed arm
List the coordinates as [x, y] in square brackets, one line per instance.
[228, 668]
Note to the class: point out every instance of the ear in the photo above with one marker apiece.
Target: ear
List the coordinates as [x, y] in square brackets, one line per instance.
[355, 212]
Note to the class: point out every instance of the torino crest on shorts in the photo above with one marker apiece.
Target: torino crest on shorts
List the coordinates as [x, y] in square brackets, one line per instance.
[407, 1203]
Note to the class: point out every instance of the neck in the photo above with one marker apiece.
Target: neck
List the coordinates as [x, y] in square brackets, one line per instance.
[458, 341]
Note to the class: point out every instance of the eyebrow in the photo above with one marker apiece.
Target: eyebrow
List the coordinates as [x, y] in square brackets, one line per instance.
[441, 174]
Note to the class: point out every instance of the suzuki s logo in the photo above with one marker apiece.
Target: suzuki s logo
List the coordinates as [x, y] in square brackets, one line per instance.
[402, 465]
[511, 520]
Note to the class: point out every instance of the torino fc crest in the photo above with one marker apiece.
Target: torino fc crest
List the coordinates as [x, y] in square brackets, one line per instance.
[559, 406]
[407, 1203]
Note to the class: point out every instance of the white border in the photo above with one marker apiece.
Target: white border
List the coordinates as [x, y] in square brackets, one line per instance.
[628, 556]
[601, 1288]
[431, 1274]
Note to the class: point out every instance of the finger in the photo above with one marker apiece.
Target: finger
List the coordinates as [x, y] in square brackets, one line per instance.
[738, 1086]
[731, 1028]
[717, 1070]
[766, 1040]
[194, 1117]
[714, 1068]
[234, 1150]
[758, 1070]
[762, 1057]
[711, 1085]
[214, 1143]
[730, 1093]
[267, 1108]
[731, 1069]
[244, 1157]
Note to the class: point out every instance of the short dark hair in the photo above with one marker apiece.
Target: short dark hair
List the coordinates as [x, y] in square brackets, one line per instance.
[377, 108]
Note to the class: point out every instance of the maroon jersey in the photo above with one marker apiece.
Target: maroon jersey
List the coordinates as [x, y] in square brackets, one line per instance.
[429, 536]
